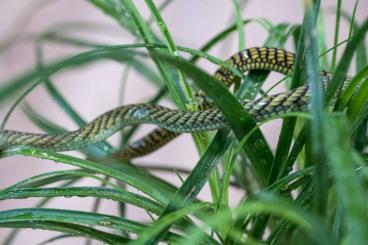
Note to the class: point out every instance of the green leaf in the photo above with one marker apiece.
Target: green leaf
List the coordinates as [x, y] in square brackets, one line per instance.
[348, 93]
[107, 193]
[239, 25]
[269, 204]
[342, 67]
[72, 229]
[342, 160]
[359, 101]
[336, 33]
[159, 227]
[116, 53]
[126, 173]
[10, 218]
[177, 87]
[69, 216]
[117, 10]
[119, 53]
[317, 107]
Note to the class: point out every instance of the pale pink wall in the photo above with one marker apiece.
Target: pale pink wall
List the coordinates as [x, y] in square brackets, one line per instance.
[93, 89]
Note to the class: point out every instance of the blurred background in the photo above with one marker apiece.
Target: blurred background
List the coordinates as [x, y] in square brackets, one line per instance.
[94, 88]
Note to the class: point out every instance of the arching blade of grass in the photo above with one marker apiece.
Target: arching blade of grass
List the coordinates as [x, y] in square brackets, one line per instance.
[361, 62]
[27, 188]
[106, 193]
[361, 54]
[60, 100]
[50, 178]
[177, 88]
[358, 102]
[343, 65]
[24, 17]
[73, 217]
[287, 180]
[11, 87]
[126, 173]
[68, 176]
[72, 229]
[120, 53]
[282, 166]
[270, 204]
[239, 25]
[358, 112]
[159, 227]
[355, 42]
[57, 238]
[297, 148]
[172, 49]
[163, 27]
[61, 38]
[52, 32]
[117, 10]
[336, 37]
[347, 95]
[15, 104]
[322, 40]
[67, 181]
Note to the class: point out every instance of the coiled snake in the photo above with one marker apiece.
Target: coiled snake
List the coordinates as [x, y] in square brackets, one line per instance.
[173, 122]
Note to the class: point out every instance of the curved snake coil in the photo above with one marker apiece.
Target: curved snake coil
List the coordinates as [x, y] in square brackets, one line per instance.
[270, 59]
[173, 121]
[266, 59]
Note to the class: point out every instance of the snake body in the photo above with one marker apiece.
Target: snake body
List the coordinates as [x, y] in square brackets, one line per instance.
[173, 122]
[257, 58]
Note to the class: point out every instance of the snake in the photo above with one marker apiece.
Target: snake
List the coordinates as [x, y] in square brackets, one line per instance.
[172, 122]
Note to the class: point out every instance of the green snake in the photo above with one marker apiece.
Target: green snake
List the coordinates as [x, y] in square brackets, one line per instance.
[172, 122]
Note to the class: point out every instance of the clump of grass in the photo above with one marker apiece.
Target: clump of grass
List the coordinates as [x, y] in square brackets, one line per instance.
[321, 202]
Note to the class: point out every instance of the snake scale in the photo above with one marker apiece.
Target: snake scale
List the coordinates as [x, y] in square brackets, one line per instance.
[173, 122]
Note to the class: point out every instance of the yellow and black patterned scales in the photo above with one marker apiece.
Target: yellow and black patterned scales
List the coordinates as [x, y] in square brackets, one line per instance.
[173, 122]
